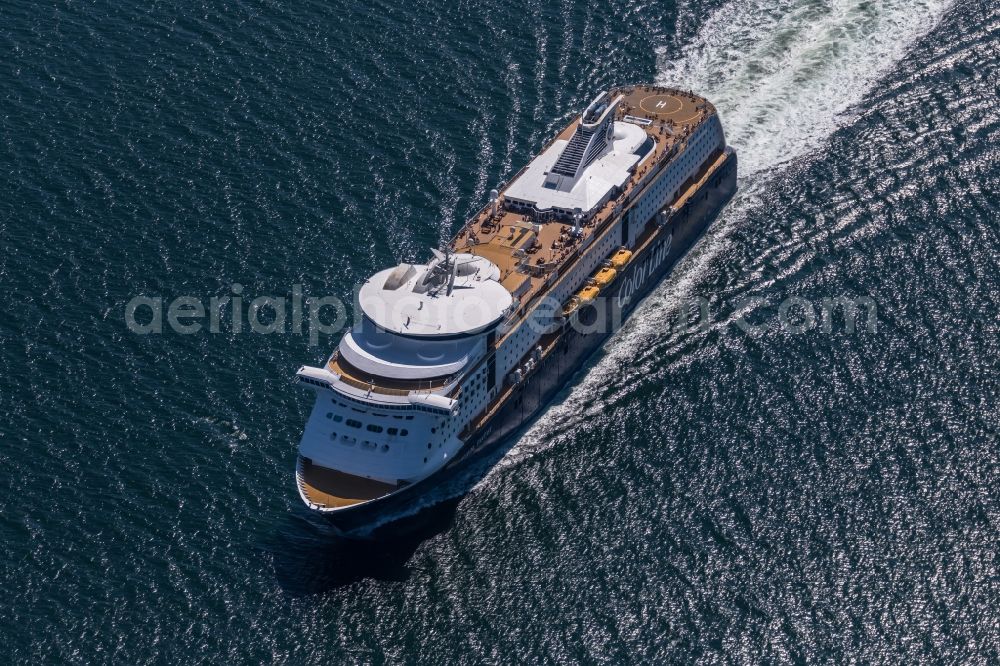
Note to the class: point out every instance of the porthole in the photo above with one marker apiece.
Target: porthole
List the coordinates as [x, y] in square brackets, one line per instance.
[329, 415]
[404, 432]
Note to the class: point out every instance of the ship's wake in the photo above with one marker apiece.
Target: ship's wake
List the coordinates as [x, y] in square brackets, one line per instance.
[784, 76]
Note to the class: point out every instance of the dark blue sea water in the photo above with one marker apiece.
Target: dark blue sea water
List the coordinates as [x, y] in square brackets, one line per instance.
[711, 494]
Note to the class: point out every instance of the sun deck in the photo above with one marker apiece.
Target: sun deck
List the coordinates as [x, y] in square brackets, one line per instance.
[529, 247]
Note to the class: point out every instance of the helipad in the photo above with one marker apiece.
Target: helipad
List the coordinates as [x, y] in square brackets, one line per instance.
[667, 106]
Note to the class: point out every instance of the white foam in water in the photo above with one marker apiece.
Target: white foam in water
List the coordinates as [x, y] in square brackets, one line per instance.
[783, 74]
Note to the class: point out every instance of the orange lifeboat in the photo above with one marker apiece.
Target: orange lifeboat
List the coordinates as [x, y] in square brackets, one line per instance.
[620, 258]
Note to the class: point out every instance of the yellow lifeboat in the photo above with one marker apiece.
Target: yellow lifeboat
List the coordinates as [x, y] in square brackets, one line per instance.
[588, 293]
[604, 276]
[620, 258]
[571, 305]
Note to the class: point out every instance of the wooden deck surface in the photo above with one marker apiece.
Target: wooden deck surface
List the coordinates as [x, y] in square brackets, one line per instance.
[510, 240]
[329, 488]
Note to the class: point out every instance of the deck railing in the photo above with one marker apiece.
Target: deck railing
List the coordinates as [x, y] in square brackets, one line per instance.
[416, 386]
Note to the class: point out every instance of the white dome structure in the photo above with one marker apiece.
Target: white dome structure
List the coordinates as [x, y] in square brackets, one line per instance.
[451, 297]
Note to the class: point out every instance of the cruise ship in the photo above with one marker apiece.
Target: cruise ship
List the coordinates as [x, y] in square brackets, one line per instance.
[451, 356]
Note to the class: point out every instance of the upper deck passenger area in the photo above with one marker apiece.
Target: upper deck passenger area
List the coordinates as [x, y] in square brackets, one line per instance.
[555, 206]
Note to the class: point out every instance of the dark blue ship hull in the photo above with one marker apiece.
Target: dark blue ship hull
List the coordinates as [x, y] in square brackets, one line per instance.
[648, 266]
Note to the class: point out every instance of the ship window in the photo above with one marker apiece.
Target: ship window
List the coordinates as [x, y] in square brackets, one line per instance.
[393, 431]
[353, 423]
[374, 428]
[404, 432]
[329, 415]
[385, 448]
[338, 418]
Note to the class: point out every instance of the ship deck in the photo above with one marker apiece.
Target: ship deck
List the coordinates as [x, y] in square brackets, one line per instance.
[328, 488]
[375, 384]
[530, 251]
[527, 259]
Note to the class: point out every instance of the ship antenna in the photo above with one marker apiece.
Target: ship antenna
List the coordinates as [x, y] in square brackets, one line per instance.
[451, 275]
